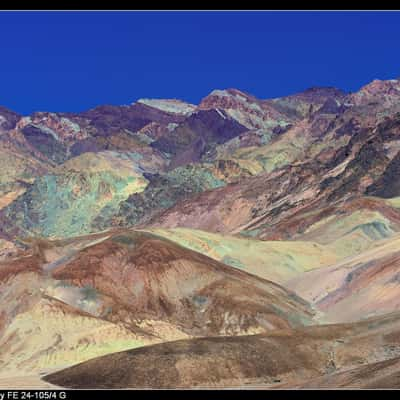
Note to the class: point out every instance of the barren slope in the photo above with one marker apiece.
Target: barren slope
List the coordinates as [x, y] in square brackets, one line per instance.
[279, 357]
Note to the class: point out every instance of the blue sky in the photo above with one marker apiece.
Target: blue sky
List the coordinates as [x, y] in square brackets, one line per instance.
[73, 61]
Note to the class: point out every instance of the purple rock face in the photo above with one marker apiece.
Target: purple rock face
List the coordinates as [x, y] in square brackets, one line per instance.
[331, 106]
[8, 118]
[388, 185]
[107, 120]
[215, 125]
[320, 94]
[45, 143]
[208, 126]
[85, 146]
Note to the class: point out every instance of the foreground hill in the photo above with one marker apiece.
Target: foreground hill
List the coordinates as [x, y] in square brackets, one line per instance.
[279, 357]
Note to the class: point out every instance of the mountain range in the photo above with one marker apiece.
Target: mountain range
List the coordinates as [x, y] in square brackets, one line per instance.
[240, 242]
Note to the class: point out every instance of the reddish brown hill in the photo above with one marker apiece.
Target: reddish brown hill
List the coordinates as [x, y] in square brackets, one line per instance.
[142, 276]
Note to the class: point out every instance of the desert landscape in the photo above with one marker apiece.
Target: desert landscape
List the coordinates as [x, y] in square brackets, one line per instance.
[239, 242]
